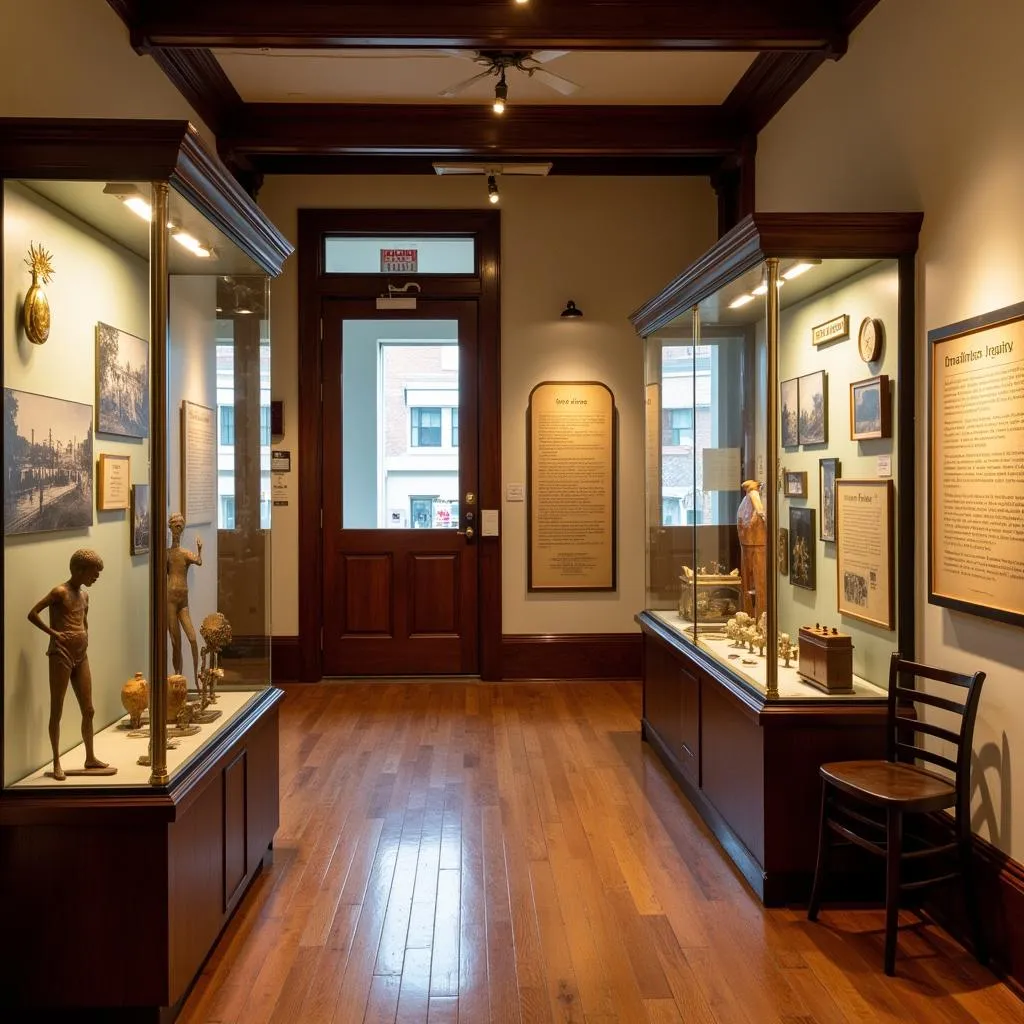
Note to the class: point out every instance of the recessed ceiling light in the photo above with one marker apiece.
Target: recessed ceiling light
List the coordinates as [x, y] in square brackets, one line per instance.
[741, 301]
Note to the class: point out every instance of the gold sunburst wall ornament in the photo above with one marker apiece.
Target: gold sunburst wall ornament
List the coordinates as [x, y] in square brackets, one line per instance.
[35, 314]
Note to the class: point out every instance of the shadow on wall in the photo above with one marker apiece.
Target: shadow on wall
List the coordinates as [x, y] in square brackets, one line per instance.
[991, 760]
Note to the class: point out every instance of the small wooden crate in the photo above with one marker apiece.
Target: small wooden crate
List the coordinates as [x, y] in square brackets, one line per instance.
[826, 659]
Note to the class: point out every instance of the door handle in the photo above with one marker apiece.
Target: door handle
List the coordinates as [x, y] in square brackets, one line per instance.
[469, 533]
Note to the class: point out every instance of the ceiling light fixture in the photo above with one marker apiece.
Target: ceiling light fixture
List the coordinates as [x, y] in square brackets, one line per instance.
[762, 288]
[135, 201]
[492, 188]
[500, 94]
[800, 268]
[521, 2]
[741, 301]
[571, 309]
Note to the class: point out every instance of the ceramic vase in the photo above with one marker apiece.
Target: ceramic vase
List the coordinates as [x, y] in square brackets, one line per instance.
[135, 698]
[36, 312]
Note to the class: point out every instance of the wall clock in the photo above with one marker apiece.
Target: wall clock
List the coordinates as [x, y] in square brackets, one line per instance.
[870, 339]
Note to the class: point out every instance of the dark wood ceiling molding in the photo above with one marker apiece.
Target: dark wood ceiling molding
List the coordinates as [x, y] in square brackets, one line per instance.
[494, 24]
[855, 11]
[624, 165]
[472, 131]
[768, 84]
[198, 76]
[733, 181]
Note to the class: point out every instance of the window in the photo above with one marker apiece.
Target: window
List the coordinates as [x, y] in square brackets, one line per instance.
[227, 425]
[421, 511]
[227, 512]
[676, 425]
[455, 428]
[426, 428]
[264, 425]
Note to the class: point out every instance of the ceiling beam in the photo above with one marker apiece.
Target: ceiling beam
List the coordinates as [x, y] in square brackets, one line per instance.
[198, 76]
[493, 24]
[472, 131]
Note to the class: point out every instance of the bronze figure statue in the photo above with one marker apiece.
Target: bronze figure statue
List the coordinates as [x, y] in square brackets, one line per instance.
[178, 618]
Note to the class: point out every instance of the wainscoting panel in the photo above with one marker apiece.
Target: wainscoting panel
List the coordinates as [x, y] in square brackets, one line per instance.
[571, 656]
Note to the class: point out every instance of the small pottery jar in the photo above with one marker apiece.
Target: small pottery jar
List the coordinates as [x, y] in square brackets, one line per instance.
[177, 691]
[135, 698]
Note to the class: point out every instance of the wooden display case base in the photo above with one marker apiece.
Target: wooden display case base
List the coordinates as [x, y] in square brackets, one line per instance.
[119, 898]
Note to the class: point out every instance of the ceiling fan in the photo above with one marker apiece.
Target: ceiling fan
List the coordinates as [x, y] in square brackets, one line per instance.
[497, 63]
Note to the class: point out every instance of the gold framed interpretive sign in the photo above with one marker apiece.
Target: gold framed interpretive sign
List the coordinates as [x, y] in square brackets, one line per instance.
[976, 464]
[198, 463]
[115, 482]
[571, 495]
[865, 551]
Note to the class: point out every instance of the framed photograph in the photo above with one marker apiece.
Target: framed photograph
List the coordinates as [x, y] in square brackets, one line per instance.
[794, 485]
[975, 438]
[864, 551]
[48, 463]
[198, 463]
[812, 426]
[828, 474]
[115, 482]
[782, 552]
[122, 383]
[140, 519]
[802, 543]
[789, 405]
[870, 409]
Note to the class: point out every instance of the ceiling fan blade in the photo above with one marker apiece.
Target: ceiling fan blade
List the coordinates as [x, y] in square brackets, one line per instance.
[454, 90]
[543, 56]
[556, 82]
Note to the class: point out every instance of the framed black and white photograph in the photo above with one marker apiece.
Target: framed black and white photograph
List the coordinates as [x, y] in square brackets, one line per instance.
[794, 485]
[140, 519]
[802, 542]
[47, 463]
[789, 405]
[812, 425]
[828, 474]
[122, 383]
[870, 409]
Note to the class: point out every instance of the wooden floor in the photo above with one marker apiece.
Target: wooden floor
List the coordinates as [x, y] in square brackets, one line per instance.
[466, 852]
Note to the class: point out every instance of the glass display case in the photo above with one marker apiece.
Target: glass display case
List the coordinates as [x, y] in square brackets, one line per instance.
[139, 720]
[779, 386]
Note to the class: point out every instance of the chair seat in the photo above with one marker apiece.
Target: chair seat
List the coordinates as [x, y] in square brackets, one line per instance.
[891, 785]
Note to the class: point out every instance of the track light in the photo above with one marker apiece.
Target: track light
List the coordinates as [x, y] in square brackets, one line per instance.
[492, 188]
[571, 309]
[500, 94]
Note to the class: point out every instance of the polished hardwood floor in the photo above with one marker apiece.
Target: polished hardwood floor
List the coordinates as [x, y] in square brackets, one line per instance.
[474, 853]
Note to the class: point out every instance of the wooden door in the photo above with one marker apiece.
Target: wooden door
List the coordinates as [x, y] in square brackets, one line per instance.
[400, 507]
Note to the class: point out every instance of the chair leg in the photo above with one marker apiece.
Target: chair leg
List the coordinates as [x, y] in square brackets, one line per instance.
[893, 853]
[823, 850]
[971, 901]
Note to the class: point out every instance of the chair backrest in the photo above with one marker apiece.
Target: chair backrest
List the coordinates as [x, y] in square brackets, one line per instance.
[959, 694]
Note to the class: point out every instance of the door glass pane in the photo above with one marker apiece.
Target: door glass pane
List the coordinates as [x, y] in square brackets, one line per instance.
[399, 255]
[400, 421]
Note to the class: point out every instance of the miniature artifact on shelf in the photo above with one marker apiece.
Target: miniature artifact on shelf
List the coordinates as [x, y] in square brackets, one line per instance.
[717, 594]
[216, 633]
[752, 528]
[178, 618]
[135, 698]
[786, 648]
[826, 658]
[68, 631]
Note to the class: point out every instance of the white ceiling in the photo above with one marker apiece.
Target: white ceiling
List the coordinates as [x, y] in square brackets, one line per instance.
[418, 76]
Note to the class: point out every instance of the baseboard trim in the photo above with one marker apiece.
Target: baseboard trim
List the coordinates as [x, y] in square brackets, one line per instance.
[1000, 881]
[571, 656]
[285, 659]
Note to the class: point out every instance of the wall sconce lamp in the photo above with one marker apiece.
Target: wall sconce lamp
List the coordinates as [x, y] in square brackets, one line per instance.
[571, 309]
[492, 188]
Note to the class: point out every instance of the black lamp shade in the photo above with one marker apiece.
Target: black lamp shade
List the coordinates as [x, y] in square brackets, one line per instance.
[571, 309]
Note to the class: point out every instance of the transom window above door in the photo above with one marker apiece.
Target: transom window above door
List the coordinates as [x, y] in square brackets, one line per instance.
[357, 254]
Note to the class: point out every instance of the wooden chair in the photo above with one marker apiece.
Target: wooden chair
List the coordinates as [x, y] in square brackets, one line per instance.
[854, 791]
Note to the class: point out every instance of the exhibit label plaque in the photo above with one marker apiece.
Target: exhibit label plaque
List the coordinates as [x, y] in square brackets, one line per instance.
[572, 487]
[976, 545]
[198, 464]
[864, 550]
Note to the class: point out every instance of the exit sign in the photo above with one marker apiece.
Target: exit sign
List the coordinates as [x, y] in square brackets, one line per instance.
[398, 261]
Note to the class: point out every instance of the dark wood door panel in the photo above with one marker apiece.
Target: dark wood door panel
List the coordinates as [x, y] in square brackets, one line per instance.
[367, 594]
[235, 867]
[434, 593]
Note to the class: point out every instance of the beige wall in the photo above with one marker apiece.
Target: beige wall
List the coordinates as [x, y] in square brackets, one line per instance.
[924, 113]
[607, 243]
[72, 58]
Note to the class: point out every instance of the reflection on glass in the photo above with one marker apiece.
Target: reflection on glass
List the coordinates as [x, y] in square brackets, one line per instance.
[400, 424]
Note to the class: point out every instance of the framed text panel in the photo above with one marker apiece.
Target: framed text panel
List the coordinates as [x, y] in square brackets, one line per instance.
[975, 465]
[865, 561]
[198, 463]
[571, 492]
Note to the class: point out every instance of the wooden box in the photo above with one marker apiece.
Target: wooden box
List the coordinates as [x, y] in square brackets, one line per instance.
[826, 658]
